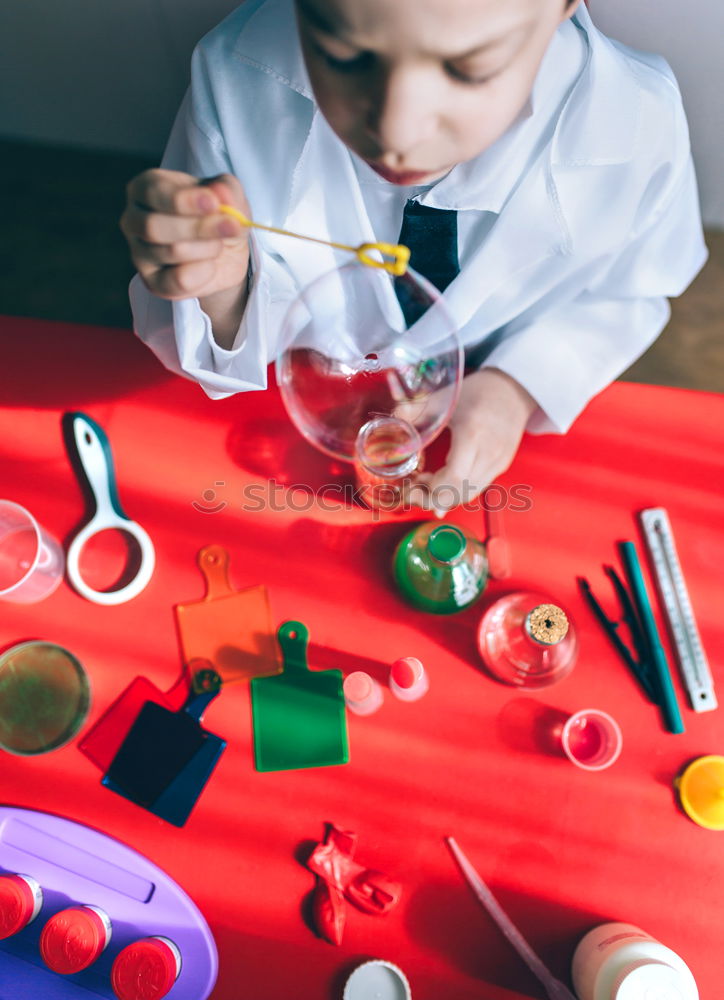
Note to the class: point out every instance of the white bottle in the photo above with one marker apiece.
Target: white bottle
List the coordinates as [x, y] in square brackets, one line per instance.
[621, 962]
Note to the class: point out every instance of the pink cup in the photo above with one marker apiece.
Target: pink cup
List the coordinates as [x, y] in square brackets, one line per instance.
[362, 693]
[591, 739]
[31, 560]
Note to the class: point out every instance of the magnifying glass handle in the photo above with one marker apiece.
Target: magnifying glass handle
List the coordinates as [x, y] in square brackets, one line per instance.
[94, 452]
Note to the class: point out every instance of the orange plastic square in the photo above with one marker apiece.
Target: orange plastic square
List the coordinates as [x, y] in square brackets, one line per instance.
[231, 628]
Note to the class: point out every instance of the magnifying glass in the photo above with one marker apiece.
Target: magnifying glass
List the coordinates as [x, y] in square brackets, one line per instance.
[94, 452]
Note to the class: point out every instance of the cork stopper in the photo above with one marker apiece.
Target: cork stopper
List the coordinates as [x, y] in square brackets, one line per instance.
[547, 624]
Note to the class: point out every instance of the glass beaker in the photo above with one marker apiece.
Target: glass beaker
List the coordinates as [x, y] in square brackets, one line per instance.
[31, 560]
[388, 453]
[526, 640]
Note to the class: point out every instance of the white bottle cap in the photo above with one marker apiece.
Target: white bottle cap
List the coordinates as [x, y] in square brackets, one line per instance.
[362, 693]
[649, 980]
[378, 979]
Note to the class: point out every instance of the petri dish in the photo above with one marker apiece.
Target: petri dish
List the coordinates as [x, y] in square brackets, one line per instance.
[44, 698]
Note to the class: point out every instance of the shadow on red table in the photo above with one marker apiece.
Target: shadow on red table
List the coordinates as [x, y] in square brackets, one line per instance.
[314, 960]
[271, 447]
[245, 958]
[58, 365]
[445, 918]
[370, 547]
[327, 658]
[302, 853]
[528, 726]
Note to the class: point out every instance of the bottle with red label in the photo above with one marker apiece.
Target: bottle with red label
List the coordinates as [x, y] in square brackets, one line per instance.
[74, 938]
[20, 901]
[146, 969]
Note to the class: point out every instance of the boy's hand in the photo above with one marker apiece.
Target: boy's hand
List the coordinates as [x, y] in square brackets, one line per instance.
[486, 429]
[181, 245]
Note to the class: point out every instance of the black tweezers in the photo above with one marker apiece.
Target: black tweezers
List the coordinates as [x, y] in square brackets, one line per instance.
[640, 664]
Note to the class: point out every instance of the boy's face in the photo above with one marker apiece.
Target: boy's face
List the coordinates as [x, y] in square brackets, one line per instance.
[416, 86]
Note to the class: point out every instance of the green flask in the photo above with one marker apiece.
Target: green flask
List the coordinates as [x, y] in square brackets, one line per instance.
[439, 568]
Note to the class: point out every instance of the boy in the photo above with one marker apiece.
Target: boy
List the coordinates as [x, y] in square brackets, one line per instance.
[564, 156]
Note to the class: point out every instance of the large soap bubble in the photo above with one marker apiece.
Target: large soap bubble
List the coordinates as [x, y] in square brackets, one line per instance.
[359, 343]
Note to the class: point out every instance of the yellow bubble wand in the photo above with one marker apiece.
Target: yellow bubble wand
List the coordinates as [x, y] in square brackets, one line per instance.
[395, 257]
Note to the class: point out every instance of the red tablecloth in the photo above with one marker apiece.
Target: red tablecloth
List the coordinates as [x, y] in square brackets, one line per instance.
[562, 848]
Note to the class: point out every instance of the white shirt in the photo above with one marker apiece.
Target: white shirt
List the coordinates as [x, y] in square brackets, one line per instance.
[573, 227]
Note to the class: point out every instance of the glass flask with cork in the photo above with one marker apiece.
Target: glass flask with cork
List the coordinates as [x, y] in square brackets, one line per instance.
[526, 640]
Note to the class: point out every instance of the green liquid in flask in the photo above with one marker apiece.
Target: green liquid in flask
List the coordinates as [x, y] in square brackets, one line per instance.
[438, 568]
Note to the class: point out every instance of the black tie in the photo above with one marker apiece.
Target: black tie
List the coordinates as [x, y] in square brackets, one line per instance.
[432, 236]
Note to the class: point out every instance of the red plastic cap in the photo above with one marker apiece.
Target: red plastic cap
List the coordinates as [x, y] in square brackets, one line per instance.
[72, 940]
[407, 671]
[17, 903]
[144, 970]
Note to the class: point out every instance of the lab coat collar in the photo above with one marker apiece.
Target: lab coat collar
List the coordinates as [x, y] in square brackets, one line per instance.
[270, 42]
[595, 128]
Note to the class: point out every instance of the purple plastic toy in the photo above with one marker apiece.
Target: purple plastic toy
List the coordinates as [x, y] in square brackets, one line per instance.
[75, 864]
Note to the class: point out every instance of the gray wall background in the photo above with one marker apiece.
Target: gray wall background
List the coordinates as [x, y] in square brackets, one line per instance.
[109, 74]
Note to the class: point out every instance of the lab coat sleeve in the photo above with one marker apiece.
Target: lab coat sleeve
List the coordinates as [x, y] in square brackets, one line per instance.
[179, 333]
[571, 352]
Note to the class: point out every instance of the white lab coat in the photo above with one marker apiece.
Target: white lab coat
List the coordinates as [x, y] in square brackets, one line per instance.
[575, 226]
